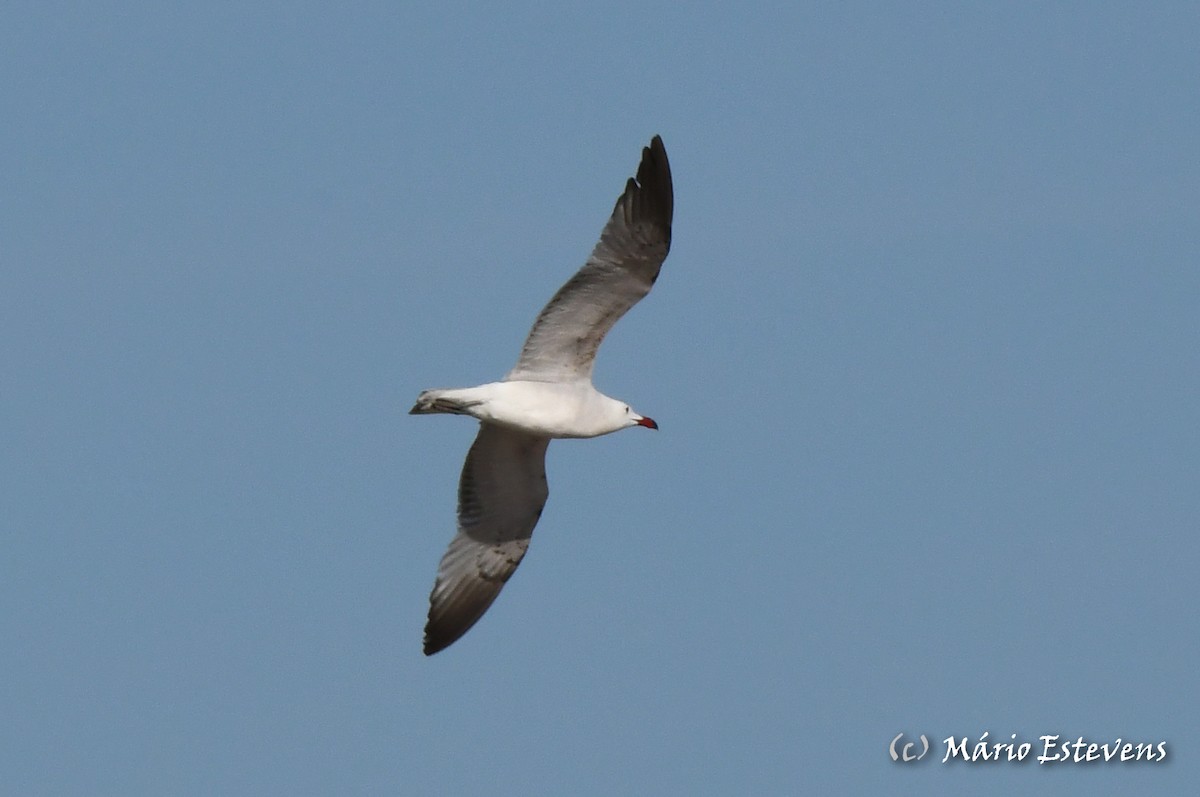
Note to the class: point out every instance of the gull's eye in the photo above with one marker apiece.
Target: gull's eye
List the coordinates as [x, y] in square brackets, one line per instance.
[627, 410]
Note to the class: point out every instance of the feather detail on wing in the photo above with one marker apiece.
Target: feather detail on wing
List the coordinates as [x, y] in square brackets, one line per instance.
[622, 268]
[500, 497]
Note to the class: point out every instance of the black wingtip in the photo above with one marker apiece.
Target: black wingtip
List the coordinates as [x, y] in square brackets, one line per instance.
[649, 198]
[654, 177]
[438, 636]
[451, 618]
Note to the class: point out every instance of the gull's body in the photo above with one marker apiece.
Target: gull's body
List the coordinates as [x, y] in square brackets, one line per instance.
[552, 409]
[548, 394]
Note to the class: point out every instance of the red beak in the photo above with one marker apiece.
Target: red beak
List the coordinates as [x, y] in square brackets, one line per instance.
[648, 423]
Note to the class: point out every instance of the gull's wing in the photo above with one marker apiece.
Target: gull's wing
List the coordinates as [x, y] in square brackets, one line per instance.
[562, 345]
[500, 498]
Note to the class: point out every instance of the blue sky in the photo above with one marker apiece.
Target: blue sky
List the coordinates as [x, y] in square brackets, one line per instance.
[924, 356]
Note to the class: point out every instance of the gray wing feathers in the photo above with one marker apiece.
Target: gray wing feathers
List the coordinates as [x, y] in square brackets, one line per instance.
[621, 270]
[500, 497]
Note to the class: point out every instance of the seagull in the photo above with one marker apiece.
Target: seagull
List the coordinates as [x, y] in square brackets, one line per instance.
[548, 394]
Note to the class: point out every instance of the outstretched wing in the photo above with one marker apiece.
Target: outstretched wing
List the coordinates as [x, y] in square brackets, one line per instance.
[562, 345]
[500, 498]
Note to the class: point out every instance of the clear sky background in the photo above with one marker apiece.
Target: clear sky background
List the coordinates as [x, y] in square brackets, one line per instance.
[924, 354]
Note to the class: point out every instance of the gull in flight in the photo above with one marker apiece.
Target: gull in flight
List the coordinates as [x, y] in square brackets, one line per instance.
[548, 394]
